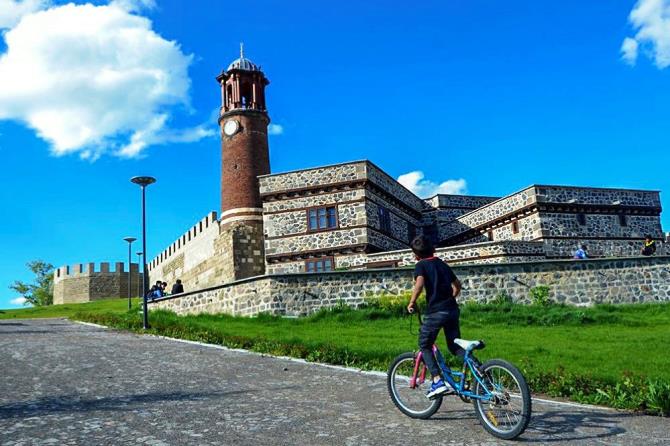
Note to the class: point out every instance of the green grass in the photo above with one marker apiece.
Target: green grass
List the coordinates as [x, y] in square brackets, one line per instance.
[67, 310]
[607, 354]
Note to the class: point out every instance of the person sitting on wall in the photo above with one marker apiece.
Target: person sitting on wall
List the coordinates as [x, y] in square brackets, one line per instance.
[649, 247]
[581, 253]
[156, 290]
[177, 288]
[163, 288]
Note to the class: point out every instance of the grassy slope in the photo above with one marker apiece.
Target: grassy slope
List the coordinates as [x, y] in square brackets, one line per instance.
[67, 310]
[633, 341]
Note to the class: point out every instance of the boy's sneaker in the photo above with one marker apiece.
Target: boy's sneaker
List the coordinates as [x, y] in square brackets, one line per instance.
[436, 389]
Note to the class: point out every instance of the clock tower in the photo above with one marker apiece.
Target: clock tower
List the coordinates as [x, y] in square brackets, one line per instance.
[244, 139]
[244, 156]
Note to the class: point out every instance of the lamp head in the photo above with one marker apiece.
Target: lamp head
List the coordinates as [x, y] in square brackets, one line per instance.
[143, 180]
[129, 239]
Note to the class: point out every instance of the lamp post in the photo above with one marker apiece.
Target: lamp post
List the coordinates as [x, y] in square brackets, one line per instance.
[130, 241]
[143, 182]
[139, 284]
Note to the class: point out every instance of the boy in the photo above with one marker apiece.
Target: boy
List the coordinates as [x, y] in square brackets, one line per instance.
[442, 287]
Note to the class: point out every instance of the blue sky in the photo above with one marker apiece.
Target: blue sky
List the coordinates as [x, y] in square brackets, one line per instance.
[497, 94]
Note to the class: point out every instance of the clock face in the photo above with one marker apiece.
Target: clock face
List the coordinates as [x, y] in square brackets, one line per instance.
[231, 127]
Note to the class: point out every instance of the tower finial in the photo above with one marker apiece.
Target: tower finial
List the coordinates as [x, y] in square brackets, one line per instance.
[241, 50]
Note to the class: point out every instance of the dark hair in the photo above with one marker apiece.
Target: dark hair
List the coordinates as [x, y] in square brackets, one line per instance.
[422, 246]
[584, 247]
[158, 282]
[647, 236]
[164, 283]
[178, 280]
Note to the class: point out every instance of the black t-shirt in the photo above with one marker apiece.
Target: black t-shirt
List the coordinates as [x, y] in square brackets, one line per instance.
[438, 278]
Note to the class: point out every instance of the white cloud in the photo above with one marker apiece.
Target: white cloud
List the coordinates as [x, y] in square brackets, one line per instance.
[275, 129]
[415, 182]
[629, 50]
[11, 11]
[651, 21]
[95, 79]
[18, 301]
[134, 5]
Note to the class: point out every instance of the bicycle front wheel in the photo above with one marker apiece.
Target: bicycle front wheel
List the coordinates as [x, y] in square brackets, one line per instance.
[411, 400]
[505, 407]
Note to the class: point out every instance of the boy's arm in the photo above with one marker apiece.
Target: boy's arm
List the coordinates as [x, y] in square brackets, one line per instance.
[416, 292]
[456, 288]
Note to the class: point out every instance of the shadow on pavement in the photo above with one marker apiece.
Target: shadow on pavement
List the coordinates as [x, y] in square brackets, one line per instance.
[553, 426]
[74, 403]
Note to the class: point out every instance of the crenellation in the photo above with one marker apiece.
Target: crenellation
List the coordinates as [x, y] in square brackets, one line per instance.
[82, 283]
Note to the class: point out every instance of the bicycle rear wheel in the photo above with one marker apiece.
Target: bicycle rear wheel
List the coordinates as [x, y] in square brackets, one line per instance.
[506, 412]
[411, 401]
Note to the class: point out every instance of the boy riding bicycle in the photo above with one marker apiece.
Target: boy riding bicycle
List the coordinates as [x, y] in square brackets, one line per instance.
[442, 288]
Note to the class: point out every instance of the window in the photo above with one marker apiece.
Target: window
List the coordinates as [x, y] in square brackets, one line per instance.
[489, 235]
[581, 219]
[319, 265]
[431, 233]
[411, 231]
[622, 220]
[515, 227]
[384, 219]
[322, 218]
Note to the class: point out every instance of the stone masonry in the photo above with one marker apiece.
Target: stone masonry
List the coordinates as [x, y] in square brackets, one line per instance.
[587, 282]
[82, 283]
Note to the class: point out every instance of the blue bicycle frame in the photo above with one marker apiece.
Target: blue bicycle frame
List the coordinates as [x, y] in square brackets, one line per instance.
[450, 374]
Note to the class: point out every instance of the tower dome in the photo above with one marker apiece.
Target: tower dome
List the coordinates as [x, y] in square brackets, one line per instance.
[242, 63]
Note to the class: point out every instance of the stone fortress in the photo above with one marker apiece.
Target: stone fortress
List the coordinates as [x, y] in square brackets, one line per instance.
[354, 216]
[82, 283]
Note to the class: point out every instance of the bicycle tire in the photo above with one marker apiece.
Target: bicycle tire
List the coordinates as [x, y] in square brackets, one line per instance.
[400, 395]
[485, 410]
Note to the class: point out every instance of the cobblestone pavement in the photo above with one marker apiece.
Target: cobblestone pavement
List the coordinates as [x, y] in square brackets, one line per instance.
[65, 383]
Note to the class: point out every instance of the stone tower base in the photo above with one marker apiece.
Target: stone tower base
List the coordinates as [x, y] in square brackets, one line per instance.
[240, 248]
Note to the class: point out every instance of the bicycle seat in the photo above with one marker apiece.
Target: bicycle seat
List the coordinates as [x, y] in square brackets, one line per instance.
[469, 345]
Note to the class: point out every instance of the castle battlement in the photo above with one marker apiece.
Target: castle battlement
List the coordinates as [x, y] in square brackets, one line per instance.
[185, 240]
[87, 269]
[85, 282]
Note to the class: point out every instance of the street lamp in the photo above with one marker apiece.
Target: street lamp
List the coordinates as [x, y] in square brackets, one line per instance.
[143, 182]
[130, 241]
[139, 284]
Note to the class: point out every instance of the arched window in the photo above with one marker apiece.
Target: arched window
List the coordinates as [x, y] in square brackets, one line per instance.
[229, 96]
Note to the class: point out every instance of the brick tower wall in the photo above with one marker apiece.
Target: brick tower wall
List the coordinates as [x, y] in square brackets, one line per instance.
[244, 156]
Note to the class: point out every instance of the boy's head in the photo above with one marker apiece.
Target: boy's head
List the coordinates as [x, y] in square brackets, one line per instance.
[647, 238]
[178, 281]
[583, 247]
[422, 247]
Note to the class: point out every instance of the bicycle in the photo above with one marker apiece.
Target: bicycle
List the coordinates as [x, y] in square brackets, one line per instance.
[497, 389]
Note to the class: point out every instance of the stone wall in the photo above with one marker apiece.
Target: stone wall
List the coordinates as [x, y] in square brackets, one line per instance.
[600, 226]
[586, 282]
[82, 283]
[486, 252]
[459, 201]
[395, 189]
[190, 258]
[316, 177]
[597, 196]
[240, 251]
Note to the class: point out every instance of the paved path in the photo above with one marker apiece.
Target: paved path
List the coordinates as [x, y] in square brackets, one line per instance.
[64, 383]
